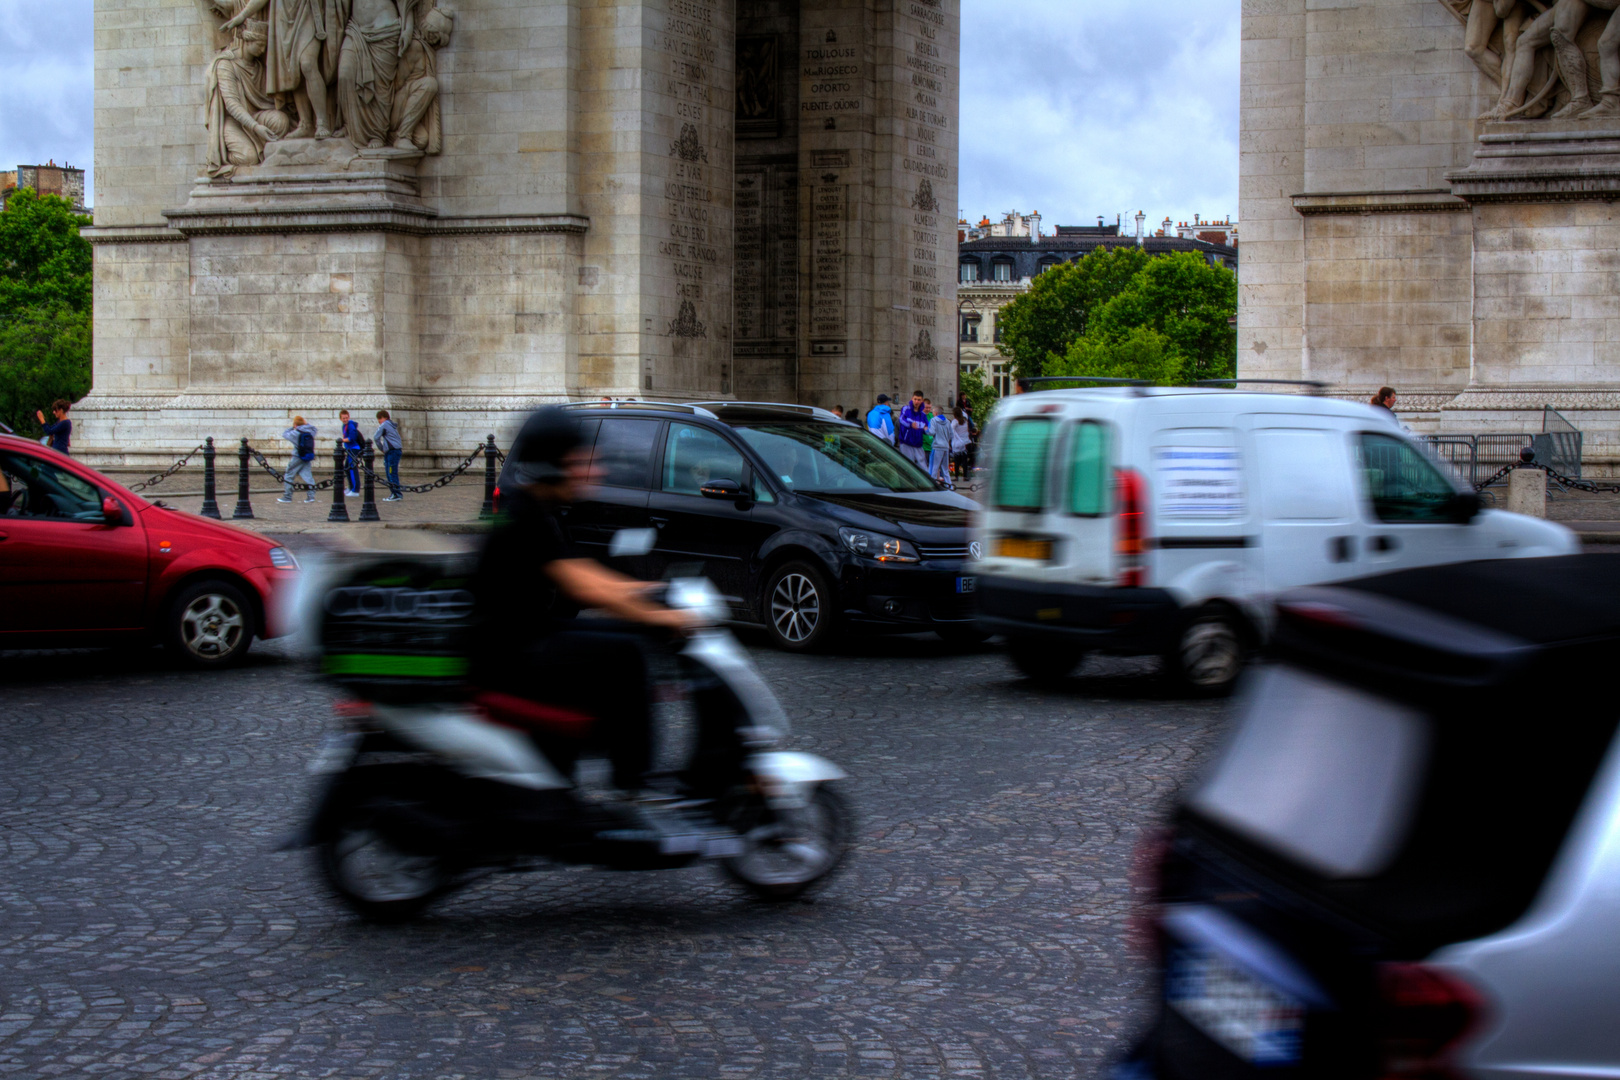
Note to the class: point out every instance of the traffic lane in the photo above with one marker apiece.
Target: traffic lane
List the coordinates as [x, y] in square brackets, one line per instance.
[978, 928]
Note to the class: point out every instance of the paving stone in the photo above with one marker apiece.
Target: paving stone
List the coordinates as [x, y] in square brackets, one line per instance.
[148, 928]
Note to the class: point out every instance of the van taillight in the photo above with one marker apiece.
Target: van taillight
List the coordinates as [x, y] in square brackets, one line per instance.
[1130, 544]
[1424, 1013]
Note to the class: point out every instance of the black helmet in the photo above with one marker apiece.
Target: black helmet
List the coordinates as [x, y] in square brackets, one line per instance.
[538, 452]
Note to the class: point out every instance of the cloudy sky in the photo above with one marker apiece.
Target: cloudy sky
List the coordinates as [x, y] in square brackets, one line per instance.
[1074, 108]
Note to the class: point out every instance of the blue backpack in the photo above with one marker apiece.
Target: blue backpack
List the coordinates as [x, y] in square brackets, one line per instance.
[306, 446]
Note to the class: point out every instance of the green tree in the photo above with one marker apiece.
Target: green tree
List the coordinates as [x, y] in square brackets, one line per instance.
[1190, 302]
[1061, 302]
[45, 294]
[980, 396]
[1141, 353]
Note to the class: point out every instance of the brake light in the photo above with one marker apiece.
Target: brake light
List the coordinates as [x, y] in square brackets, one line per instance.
[1425, 1013]
[1130, 541]
[495, 501]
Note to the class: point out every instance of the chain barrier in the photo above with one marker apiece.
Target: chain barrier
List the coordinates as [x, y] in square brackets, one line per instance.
[358, 463]
[1552, 474]
[418, 489]
[158, 478]
[281, 478]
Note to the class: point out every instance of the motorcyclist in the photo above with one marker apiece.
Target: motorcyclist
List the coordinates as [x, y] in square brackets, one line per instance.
[529, 584]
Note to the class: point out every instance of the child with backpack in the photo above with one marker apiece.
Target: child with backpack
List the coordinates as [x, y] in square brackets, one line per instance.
[392, 446]
[301, 465]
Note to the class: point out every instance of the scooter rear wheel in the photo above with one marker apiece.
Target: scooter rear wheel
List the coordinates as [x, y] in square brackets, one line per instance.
[792, 850]
[378, 879]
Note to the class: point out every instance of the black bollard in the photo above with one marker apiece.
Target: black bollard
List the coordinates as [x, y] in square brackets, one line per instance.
[368, 504]
[339, 511]
[210, 506]
[244, 509]
[488, 509]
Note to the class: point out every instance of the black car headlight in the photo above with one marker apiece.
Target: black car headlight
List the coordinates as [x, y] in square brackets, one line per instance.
[877, 546]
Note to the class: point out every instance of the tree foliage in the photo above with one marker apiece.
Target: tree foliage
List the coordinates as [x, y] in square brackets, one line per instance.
[45, 294]
[979, 395]
[1059, 306]
[1085, 318]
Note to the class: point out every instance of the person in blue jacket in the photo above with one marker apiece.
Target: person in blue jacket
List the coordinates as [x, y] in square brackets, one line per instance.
[355, 444]
[60, 430]
[880, 420]
[912, 427]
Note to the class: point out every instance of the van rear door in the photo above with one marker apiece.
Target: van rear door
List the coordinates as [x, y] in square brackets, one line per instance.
[1051, 501]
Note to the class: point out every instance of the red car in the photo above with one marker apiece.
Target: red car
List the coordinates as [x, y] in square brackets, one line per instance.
[83, 560]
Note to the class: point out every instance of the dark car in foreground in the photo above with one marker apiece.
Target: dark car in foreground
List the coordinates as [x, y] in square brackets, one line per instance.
[86, 561]
[1404, 862]
[803, 521]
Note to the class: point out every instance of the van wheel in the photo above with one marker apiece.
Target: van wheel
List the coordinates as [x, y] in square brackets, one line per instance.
[1208, 656]
[798, 607]
[1045, 663]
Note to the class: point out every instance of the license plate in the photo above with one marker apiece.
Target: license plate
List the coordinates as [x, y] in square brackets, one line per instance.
[966, 584]
[1254, 1020]
[1019, 547]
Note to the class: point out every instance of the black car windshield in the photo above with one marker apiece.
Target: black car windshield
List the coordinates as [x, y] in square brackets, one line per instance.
[808, 456]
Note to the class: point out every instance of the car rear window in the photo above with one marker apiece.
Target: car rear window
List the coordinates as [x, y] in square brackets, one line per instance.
[1321, 772]
[1020, 476]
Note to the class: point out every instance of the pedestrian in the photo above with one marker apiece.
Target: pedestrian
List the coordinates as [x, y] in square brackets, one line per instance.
[353, 443]
[853, 416]
[880, 420]
[1385, 398]
[393, 448]
[961, 439]
[939, 452]
[301, 465]
[913, 424]
[60, 430]
[1021, 386]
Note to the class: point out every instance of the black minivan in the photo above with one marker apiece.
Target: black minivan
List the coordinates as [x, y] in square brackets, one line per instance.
[802, 520]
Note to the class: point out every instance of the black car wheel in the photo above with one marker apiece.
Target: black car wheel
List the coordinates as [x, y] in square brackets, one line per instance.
[798, 606]
[1045, 663]
[209, 624]
[1208, 655]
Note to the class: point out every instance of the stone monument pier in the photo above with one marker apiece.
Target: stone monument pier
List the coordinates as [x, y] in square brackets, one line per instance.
[1428, 198]
[459, 213]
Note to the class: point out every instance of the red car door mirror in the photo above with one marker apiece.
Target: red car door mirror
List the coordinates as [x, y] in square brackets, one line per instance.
[111, 512]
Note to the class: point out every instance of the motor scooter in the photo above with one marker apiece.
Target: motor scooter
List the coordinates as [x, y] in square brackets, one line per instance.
[417, 799]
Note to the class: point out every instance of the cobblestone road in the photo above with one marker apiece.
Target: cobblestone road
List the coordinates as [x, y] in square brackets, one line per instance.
[147, 931]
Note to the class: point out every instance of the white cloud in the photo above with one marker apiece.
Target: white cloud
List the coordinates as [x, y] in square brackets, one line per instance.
[1080, 108]
[47, 69]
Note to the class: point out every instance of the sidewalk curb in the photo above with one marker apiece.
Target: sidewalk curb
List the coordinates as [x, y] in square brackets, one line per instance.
[452, 528]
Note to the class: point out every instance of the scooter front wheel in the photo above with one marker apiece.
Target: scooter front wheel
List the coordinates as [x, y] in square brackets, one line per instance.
[791, 850]
[380, 880]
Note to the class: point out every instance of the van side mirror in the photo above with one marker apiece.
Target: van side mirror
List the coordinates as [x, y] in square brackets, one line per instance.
[111, 512]
[722, 489]
[1464, 507]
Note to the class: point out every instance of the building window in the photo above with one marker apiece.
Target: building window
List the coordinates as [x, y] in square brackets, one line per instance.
[1001, 379]
[970, 328]
[1047, 264]
[1002, 271]
[970, 272]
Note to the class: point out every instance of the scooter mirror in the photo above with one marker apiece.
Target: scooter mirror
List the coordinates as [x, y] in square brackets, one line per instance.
[632, 542]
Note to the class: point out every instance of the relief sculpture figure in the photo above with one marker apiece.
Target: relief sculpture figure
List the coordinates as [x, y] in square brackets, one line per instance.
[375, 39]
[415, 123]
[301, 55]
[240, 116]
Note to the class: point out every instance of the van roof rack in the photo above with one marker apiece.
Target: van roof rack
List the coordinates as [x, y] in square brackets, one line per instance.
[807, 410]
[1316, 388]
[669, 406]
[1139, 385]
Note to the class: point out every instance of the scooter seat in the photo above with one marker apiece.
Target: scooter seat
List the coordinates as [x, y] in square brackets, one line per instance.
[527, 715]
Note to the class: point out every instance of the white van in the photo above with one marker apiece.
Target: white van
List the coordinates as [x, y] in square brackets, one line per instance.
[1140, 520]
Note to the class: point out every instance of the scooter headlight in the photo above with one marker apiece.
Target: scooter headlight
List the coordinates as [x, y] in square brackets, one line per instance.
[872, 545]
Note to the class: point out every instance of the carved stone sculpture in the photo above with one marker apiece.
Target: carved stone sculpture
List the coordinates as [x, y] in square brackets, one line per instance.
[1521, 43]
[415, 123]
[240, 116]
[365, 70]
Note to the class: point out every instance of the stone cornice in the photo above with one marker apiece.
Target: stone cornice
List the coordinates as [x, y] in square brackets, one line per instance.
[131, 234]
[1426, 201]
[378, 217]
